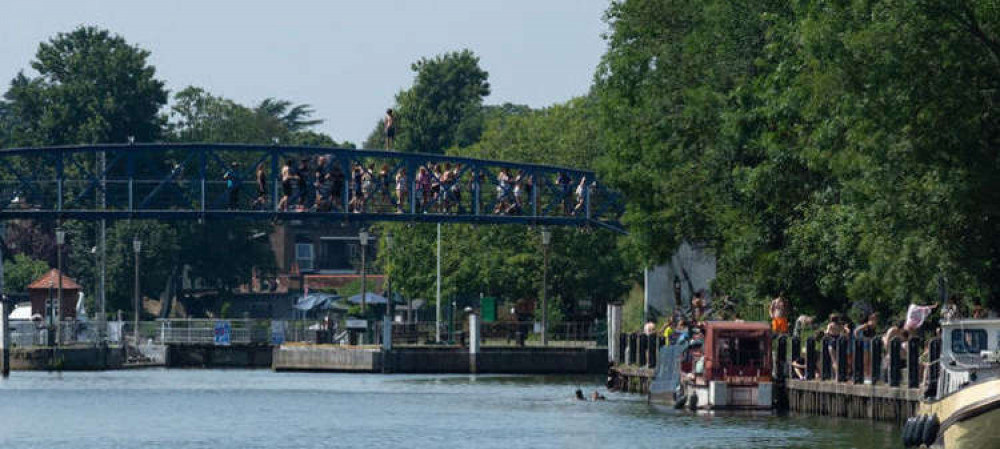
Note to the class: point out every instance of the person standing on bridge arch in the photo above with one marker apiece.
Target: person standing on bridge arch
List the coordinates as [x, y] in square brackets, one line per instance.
[390, 128]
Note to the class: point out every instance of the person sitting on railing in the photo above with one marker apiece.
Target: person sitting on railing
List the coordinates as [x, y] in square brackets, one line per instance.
[799, 368]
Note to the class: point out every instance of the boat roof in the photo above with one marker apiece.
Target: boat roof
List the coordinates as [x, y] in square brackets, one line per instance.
[737, 325]
[971, 322]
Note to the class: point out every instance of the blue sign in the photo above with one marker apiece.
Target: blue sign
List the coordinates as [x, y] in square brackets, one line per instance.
[223, 333]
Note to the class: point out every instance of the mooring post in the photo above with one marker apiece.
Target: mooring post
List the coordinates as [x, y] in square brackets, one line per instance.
[895, 346]
[935, 367]
[781, 358]
[842, 345]
[859, 360]
[643, 348]
[810, 358]
[876, 356]
[827, 372]
[652, 346]
[4, 339]
[474, 337]
[622, 348]
[633, 343]
[913, 362]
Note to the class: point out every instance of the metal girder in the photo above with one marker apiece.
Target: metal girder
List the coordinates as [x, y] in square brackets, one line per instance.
[267, 182]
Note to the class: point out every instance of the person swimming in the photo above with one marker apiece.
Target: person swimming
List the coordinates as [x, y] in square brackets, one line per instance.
[597, 396]
[579, 395]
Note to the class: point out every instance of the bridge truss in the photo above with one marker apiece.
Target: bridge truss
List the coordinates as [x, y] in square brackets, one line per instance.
[220, 181]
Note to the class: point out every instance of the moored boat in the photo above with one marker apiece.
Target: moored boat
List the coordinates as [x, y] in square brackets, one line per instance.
[965, 409]
[729, 369]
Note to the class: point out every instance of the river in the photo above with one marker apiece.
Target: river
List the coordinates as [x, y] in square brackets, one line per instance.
[230, 409]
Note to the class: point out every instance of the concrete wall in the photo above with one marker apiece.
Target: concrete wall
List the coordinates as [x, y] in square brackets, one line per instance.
[211, 356]
[442, 360]
[66, 358]
[326, 358]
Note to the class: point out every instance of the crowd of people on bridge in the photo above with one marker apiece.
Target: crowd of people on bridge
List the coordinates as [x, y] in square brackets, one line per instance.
[322, 183]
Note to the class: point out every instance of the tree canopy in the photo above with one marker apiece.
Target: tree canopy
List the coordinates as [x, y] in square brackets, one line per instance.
[839, 151]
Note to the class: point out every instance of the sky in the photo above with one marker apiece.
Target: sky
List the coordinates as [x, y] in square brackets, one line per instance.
[347, 59]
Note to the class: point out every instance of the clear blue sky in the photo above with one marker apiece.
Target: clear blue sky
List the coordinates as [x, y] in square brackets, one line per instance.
[346, 58]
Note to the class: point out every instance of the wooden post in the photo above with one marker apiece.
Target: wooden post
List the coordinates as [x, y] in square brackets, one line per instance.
[915, 347]
[780, 362]
[827, 369]
[876, 356]
[842, 345]
[935, 354]
[895, 346]
[622, 346]
[859, 360]
[810, 358]
[643, 349]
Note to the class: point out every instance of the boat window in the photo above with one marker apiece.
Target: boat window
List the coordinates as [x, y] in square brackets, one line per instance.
[968, 341]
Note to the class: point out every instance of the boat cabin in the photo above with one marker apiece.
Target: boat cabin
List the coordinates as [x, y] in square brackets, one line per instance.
[970, 351]
[732, 367]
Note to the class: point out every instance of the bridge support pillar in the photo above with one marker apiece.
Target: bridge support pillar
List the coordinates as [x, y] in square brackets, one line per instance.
[614, 328]
[474, 340]
[4, 341]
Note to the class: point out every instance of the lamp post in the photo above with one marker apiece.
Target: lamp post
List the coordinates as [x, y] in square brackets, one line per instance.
[363, 239]
[137, 248]
[546, 240]
[388, 276]
[60, 240]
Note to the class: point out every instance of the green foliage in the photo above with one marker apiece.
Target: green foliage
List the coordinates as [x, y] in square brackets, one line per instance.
[443, 108]
[92, 87]
[21, 270]
[839, 151]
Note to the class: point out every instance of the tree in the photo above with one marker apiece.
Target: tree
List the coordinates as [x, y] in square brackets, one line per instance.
[92, 87]
[443, 108]
[841, 152]
[20, 271]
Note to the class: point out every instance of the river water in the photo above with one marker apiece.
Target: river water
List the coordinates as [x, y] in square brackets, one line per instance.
[230, 409]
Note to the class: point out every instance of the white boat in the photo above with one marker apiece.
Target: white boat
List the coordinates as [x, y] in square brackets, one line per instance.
[965, 412]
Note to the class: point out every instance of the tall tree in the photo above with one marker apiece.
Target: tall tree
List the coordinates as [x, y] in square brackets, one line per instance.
[443, 107]
[91, 87]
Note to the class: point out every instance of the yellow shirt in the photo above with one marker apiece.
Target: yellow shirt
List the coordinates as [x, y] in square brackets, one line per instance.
[667, 332]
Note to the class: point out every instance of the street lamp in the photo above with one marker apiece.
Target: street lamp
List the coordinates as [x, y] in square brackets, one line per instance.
[60, 240]
[546, 241]
[388, 277]
[137, 248]
[363, 239]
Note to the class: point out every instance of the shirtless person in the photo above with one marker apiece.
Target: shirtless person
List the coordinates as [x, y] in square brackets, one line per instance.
[698, 306]
[390, 129]
[779, 315]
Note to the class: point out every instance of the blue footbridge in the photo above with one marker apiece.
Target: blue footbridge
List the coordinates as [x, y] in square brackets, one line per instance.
[200, 181]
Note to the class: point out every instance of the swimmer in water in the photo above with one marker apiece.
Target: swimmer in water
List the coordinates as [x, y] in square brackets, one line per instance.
[597, 396]
[579, 395]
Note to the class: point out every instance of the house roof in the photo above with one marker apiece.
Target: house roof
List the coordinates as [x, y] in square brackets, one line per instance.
[51, 279]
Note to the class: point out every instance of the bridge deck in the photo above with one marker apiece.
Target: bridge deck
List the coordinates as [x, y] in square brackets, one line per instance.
[210, 181]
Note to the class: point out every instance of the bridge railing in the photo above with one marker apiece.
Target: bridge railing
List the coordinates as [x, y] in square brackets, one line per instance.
[170, 180]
